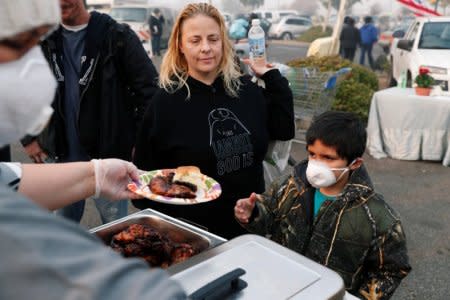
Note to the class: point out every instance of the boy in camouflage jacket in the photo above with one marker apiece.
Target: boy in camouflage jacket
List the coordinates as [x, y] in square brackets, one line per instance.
[327, 210]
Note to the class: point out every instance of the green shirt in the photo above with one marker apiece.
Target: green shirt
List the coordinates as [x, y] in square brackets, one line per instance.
[319, 199]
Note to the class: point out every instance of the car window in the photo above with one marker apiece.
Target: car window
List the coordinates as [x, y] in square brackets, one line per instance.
[129, 14]
[435, 35]
[293, 22]
[304, 22]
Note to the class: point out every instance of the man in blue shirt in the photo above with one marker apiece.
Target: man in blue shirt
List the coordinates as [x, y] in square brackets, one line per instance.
[369, 36]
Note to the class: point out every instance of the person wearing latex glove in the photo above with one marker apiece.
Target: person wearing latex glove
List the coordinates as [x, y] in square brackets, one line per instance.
[56, 185]
[43, 256]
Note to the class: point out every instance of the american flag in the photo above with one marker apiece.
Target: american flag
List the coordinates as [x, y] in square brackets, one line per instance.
[418, 8]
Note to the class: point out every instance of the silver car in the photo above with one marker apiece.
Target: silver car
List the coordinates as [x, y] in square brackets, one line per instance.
[289, 27]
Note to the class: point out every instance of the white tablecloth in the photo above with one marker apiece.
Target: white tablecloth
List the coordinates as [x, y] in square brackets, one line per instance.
[405, 126]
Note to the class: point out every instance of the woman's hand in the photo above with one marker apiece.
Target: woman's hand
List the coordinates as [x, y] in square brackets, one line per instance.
[258, 69]
[244, 208]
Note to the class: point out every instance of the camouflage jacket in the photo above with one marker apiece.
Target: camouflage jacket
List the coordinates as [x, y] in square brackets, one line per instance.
[357, 235]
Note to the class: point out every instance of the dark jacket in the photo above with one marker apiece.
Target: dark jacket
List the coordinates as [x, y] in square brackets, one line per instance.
[225, 137]
[117, 82]
[358, 235]
[156, 25]
[349, 36]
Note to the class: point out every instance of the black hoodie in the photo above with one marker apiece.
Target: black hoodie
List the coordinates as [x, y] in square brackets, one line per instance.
[225, 137]
[117, 80]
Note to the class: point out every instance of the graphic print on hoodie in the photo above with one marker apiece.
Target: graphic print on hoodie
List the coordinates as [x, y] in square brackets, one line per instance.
[230, 140]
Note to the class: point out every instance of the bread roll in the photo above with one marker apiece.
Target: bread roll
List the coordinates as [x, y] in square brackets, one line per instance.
[189, 176]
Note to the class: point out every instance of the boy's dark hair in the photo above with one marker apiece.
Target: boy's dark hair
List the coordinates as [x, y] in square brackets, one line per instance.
[342, 130]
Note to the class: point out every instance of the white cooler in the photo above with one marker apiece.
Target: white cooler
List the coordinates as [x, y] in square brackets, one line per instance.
[252, 267]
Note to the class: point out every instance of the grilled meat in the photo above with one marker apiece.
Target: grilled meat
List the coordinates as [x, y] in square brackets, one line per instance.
[180, 191]
[144, 241]
[164, 186]
[181, 252]
[160, 185]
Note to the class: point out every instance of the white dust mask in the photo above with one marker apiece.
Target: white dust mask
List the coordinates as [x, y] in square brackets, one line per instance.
[320, 175]
[27, 88]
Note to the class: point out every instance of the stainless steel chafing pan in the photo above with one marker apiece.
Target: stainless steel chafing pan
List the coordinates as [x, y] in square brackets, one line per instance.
[176, 230]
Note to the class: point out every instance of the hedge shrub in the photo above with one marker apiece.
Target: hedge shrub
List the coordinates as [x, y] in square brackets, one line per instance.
[353, 96]
[355, 91]
[315, 32]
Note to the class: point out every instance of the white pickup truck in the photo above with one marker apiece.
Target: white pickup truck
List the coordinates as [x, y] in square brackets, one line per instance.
[425, 44]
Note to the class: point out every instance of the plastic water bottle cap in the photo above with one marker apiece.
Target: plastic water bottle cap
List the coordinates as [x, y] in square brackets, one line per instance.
[255, 22]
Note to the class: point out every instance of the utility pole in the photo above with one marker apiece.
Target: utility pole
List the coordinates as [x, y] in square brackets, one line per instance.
[436, 5]
[338, 27]
[327, 17]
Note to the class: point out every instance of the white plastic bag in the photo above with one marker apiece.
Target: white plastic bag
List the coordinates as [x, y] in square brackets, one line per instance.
[276, 160]
[278, 152]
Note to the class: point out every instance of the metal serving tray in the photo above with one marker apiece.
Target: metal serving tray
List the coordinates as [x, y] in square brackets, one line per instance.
[176, 230]
[265, 270]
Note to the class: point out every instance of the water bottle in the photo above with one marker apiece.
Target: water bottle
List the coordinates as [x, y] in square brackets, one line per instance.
[257, 43]
[402, 80]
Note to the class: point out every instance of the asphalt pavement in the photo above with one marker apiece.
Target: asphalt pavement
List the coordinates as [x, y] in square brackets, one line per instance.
[418, 190]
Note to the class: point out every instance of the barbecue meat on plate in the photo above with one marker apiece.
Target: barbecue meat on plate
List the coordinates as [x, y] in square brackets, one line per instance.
[144, 241]
[164, 186]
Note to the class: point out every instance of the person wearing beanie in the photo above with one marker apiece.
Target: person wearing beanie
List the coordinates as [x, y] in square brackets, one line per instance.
[43, 256]
[105, 80]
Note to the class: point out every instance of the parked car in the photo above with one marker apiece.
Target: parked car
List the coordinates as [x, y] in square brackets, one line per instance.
[273, 16]
[426, 44]
[386, 37]
[289, 27]
[137, 17]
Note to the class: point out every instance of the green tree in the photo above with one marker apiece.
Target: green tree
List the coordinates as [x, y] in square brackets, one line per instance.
[252, 3]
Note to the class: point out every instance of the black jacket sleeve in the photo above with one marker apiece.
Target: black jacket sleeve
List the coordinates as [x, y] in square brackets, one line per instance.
[143, 155]
[148, 153]
[139, 71]
[278, 94]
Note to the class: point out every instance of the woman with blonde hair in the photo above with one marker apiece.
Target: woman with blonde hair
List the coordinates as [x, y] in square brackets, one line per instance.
[208, 115]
